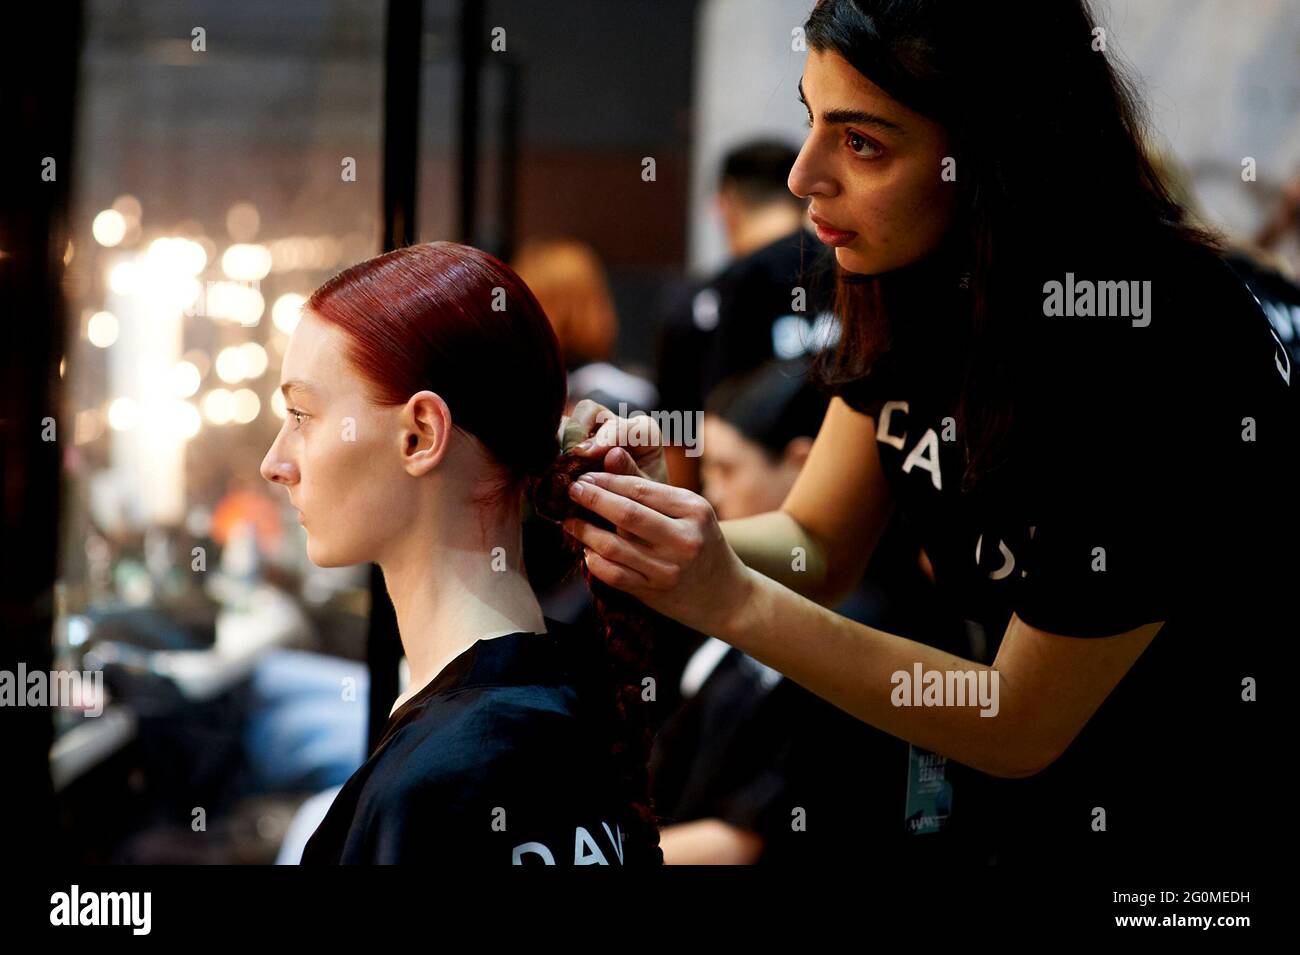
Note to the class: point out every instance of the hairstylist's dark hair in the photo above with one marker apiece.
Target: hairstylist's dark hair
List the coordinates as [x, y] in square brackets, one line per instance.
[455, 320]
[1046, 132]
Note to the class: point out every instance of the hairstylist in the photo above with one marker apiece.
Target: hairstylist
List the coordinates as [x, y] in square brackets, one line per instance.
[1062, 387]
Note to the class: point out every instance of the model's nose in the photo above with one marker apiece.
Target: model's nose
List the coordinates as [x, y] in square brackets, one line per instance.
[278, 471]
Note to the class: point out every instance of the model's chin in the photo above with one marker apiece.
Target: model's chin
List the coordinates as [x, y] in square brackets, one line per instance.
[320, 556]
[325, 556]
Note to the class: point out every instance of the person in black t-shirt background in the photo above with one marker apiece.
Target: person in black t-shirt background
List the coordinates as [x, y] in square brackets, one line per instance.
[1080, 409]
[750, 312]
[752, 767]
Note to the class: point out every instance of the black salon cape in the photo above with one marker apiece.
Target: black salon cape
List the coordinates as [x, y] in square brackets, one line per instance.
[497, 761]
[1153, 479]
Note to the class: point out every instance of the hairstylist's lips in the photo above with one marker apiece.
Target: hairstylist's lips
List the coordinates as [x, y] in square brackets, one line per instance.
[830, 235]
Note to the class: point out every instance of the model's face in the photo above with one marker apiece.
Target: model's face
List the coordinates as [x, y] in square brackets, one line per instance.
[336, 454]
[872, 168]
[737, 478]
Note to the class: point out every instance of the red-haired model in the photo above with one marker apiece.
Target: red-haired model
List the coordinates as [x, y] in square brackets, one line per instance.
[425, 392]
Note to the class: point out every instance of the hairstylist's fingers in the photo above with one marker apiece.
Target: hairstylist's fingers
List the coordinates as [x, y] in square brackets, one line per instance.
[665, 499]
[623, 512]
[572, 431]
[638, 433]
[638, 437]
[587, 417]
[585, 412]
[633, 555]
[618, 461]
[616, 575]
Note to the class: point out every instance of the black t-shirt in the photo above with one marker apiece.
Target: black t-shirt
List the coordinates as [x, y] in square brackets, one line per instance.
[744, 316]
[1142, 486]
[501, 759]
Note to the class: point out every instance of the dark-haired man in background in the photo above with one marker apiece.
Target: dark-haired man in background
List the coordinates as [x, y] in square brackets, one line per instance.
[764, 305]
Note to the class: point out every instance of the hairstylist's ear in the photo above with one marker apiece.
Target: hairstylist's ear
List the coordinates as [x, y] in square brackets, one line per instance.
[425, 432]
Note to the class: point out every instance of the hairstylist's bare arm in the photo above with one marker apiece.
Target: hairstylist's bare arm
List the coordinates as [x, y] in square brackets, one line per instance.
[709, 842]
[834, 515]
[670, 554]
[819, 542]
[669, 551]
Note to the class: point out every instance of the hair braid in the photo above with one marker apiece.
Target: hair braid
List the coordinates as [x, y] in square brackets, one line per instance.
[622, 658]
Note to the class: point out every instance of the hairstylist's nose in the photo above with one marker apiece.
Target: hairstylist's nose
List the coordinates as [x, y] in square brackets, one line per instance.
[806, 178]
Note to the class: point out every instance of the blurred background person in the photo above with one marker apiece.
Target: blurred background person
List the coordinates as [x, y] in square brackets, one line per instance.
[571, 283]
[761, 306]
[1260, 263]
[751, 767]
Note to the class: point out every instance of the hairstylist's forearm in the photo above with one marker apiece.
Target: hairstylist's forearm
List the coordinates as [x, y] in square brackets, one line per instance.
[709, 842]
[852, 666]
[777, 546]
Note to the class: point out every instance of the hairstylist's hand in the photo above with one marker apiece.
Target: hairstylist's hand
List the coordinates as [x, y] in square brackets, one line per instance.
[640, 454]
[669, 551]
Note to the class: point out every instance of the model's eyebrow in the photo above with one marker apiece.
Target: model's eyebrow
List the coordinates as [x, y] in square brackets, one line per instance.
[296, 384]
[840, 117]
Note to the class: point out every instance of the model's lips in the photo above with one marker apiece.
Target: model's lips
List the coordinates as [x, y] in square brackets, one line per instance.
[829, 234]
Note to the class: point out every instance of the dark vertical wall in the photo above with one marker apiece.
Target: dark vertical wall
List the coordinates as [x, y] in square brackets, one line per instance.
[605, 85]
[600, 85]
[36, 100]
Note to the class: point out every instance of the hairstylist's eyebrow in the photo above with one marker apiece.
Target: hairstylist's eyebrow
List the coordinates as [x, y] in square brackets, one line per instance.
[843, 117]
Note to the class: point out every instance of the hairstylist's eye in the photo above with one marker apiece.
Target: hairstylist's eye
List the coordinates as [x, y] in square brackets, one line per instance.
[804, 103]
[858, 142]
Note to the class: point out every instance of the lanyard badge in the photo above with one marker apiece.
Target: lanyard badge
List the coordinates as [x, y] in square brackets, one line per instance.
[929, 792]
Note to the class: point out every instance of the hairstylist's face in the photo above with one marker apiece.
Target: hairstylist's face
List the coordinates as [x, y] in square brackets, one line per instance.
[738, 478]
[873, 170]
[337, 454]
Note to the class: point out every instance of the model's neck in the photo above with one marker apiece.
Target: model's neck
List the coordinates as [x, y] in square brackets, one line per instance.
[463, 582]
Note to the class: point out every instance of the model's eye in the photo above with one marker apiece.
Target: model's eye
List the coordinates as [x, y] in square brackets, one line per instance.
[296, 415]
[862, 146]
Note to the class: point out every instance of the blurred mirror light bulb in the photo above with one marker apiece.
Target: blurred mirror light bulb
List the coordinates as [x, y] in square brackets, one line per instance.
[108, 228]
[102, 329]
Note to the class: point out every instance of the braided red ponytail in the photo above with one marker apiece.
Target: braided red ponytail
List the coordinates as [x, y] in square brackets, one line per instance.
[623, 660]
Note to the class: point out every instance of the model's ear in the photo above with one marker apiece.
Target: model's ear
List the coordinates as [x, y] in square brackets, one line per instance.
[425, 432]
